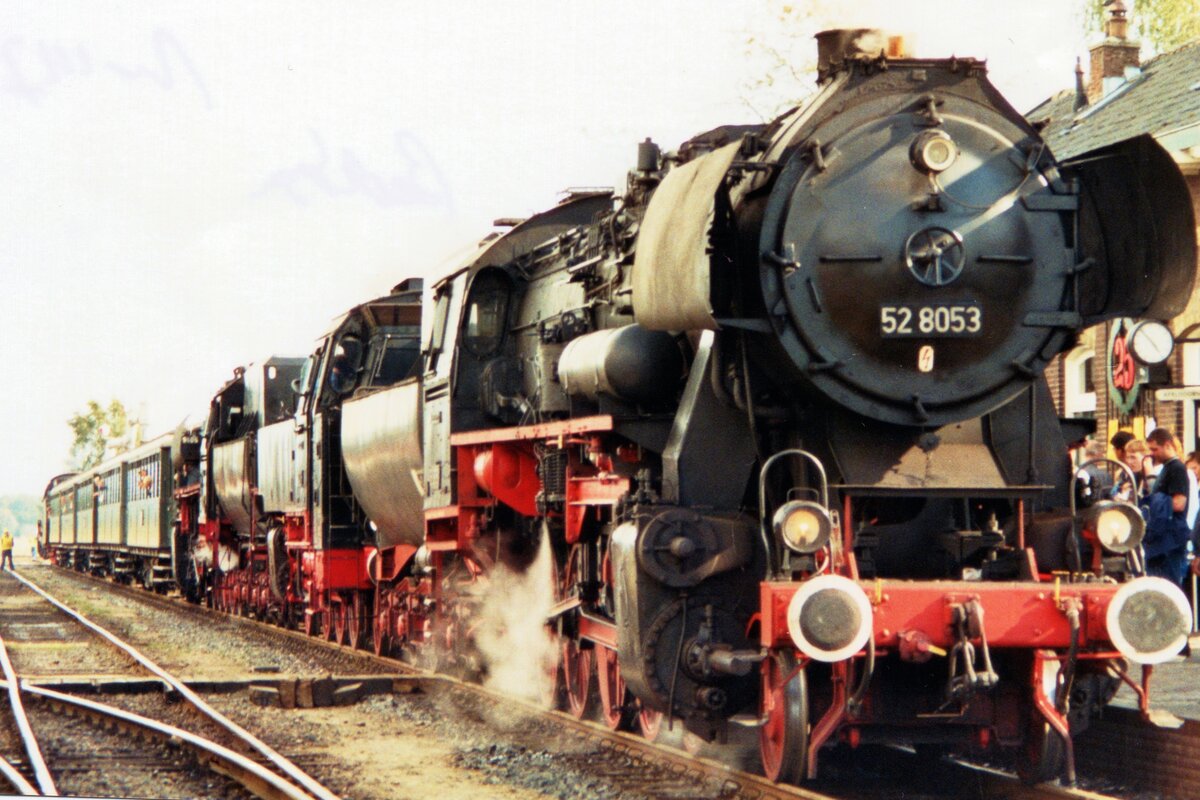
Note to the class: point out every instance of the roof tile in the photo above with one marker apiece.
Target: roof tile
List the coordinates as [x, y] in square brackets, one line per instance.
[1165, 96]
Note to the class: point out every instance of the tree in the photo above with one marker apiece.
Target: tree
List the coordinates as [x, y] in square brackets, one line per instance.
[19, 513]
[94, 429]
[779, 43]
[1161, 25]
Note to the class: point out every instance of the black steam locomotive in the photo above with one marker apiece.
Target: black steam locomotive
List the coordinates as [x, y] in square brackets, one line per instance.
[779, 412]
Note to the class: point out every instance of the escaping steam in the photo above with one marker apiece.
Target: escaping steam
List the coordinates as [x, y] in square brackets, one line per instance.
[519, 652]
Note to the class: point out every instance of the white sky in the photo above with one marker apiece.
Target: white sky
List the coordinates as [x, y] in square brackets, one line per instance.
[185, 187]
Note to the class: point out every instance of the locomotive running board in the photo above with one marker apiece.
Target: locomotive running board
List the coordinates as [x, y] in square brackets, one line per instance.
[547, 430]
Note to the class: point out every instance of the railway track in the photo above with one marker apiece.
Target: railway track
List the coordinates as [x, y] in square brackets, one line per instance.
[258, 780]
[29, 742]
[277, 779]
[661, 770]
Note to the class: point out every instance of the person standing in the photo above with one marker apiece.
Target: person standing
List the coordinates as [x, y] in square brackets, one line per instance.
[1167, 531]
[1133, 454]
[6, 546]
[1093, 481]
[1118, 441]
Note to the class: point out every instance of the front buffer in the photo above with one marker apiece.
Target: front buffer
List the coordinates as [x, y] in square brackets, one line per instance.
[1013, 665]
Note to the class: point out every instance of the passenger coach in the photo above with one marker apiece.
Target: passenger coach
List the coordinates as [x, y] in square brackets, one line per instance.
[116, 518]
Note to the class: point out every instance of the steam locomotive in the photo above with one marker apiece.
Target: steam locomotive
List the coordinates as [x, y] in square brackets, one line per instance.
[778, 410]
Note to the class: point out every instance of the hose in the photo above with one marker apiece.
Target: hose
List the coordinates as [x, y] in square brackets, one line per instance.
[855, 701]
[678, 656]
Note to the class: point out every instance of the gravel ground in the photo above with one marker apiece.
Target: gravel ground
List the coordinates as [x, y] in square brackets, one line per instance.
[443, 743]
[430, 740]
[42, 642]
[208, 648]
[87, 760]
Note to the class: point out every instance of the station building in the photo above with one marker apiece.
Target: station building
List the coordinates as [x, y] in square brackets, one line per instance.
[1118, 99]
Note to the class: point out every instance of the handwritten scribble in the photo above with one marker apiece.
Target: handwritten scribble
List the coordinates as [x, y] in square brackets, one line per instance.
[33, 70]
[168, 51]
[415, 179]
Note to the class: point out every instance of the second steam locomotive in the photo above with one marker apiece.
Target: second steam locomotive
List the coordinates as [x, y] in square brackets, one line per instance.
[777, 409]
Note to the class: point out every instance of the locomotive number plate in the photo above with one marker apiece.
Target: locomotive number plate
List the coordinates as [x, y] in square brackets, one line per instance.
[944, 320]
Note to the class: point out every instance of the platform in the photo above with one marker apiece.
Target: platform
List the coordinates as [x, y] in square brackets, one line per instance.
[1174, 687]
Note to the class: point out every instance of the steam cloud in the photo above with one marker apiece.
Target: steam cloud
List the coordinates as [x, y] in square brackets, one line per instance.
[518, 649]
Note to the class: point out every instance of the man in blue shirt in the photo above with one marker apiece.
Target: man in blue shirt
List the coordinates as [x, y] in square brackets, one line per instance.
[1167, 531]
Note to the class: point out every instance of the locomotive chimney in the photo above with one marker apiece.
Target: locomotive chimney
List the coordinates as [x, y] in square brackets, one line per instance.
[836, 45]
[1114, 56]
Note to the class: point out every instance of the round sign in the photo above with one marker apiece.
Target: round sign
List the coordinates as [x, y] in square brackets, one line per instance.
[1125, 376]
[1151, 342]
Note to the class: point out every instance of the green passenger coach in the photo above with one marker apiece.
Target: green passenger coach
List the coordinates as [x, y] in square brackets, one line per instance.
[116, 518]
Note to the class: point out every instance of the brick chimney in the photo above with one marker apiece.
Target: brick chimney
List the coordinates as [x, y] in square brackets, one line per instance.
[1111, 56]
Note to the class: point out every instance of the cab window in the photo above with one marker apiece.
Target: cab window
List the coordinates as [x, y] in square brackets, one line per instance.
[347, 358]
[486, 316]
[400, 354]
[302, 386]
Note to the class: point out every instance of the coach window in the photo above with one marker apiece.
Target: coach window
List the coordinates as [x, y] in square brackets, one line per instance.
[487, 313]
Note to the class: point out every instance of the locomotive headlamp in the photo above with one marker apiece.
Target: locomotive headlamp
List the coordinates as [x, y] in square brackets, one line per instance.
[1118, 526]
[1148, 620]
[934, 151]
[830, 618]
[804, 526]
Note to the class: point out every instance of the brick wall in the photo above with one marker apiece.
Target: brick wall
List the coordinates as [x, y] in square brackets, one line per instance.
[1057, 383]
[1104, 406]
[1109, 60]
[1126, 750]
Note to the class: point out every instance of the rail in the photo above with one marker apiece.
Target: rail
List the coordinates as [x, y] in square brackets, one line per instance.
[28, 740]
[256, 778]
[302, 778]
[16, 779]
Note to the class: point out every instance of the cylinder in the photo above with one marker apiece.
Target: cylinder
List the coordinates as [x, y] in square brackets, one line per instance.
[629, 363]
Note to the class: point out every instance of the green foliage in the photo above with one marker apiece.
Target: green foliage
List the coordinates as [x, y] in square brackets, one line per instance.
[19, 513]
[1168, 24]
[1161, 25]
[1091, 14]
[94, 429]
[779, 44]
